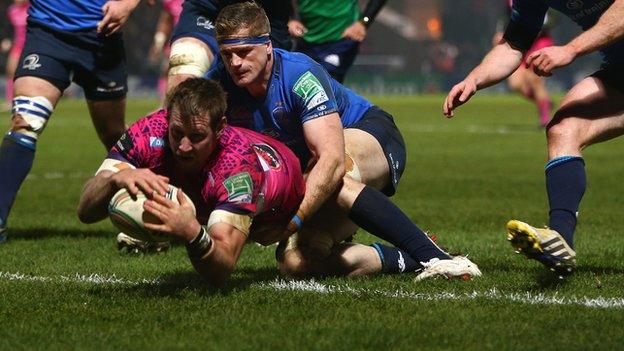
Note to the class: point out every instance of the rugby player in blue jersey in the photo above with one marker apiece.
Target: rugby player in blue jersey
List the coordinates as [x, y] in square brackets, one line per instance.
[193, 43]
[591, 112]
[65, 40]
[350, 172]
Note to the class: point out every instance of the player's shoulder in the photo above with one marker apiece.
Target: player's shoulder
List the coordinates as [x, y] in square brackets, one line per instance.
[296, 69]
[155, 124]
[292, 61]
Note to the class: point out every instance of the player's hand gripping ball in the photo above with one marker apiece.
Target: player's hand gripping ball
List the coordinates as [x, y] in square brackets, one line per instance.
[129, 217]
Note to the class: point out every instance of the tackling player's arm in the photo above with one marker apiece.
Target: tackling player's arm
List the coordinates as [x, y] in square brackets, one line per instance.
[606, 31]
[325, 140]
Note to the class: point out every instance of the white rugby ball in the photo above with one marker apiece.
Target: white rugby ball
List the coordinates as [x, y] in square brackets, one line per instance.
[129, 217]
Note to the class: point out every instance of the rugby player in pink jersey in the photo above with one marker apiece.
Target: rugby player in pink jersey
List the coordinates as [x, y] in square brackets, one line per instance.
[245, 186]
[159, 52]
[17, 14]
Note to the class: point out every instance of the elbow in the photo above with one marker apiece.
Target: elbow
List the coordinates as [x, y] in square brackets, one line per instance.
[84, 216]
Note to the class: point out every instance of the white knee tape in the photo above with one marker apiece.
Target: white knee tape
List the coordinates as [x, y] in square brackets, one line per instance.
[188, 58]
[352, 169]
[35, 110]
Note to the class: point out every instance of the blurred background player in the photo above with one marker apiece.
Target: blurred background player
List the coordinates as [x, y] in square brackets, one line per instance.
[242, 183]
[194, 46]
[17, 14]
[591, 112]
[66, 40]
[331, 31]
[161, 48]
[524, 81]
[350, 172]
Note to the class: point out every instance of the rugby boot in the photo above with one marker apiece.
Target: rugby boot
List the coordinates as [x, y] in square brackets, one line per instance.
[126, 243]
[544, 245]
[457, 267]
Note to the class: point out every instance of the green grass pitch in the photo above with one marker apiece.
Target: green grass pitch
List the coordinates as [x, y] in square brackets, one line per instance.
[63, 285]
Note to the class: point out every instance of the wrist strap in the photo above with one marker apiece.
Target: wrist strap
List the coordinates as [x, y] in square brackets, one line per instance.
[298, 219]
[199, 246]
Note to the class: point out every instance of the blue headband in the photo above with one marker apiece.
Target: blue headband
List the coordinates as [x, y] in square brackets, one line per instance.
[261, 39]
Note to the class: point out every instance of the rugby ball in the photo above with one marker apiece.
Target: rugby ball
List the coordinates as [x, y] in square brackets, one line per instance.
[128, 216]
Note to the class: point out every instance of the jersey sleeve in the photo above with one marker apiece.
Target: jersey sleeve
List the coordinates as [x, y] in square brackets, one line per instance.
[142, 144]
[525, 23]
[312, 94]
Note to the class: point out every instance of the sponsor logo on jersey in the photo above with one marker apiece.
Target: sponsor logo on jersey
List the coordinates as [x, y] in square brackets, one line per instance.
[574, 4]
[31, 62]
[204, 23]
[156, 143]
[310, 90]
[578, 5]
[125, 144]
[267, 156]
[239, 188]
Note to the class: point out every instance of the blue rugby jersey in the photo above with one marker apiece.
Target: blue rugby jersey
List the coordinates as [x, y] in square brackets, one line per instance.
[529, 15]
[67, 15]
[299, 90]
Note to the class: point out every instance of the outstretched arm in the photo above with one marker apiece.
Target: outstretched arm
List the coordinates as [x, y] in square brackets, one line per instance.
[497, 65]
[608, 29]
[98, 191]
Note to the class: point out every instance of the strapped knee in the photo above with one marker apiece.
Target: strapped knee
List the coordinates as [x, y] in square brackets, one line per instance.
[351, 168]
[188, 58]
[35, 111]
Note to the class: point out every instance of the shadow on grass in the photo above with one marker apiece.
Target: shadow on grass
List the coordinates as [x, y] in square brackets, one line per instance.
[180, 283]
[42, 233]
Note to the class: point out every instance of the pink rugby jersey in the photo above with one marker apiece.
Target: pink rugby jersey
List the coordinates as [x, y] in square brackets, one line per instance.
[18, 13]
[249, 173]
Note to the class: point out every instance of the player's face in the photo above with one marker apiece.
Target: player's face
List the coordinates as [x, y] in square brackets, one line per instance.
[247, 64]
[192, 143]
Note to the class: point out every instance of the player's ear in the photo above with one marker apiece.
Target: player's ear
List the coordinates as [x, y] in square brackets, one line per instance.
[269, 48]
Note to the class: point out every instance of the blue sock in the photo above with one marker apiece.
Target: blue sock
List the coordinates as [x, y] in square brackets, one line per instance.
[395, 260]
[376, 214]
[17, 153]
[565, 184]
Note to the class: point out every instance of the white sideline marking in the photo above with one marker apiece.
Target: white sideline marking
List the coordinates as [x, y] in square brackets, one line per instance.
[316, 287]
[77, 278]
[492, 294]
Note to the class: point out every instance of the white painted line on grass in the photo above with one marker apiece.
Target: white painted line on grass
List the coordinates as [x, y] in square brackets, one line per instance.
[325, 289]
[493, 295]
[93, 278]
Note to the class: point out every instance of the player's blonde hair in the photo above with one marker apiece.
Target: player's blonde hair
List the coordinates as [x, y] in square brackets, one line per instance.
[197, 98]
[245, 15]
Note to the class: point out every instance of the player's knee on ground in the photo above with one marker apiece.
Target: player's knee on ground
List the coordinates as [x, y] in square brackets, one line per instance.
[298, 257]
[189, 57]
[30, 116]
